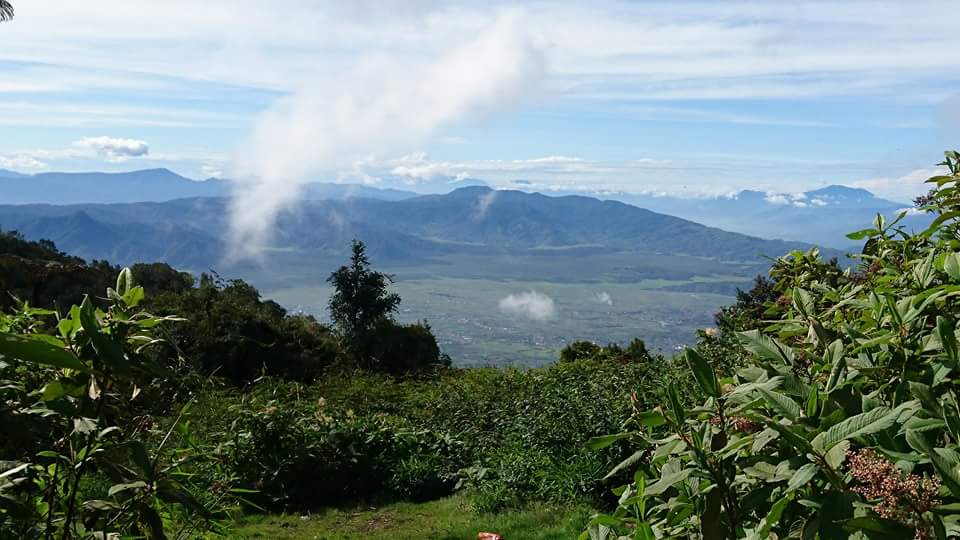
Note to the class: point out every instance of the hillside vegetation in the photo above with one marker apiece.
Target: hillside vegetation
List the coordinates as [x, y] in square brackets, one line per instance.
[823, 405]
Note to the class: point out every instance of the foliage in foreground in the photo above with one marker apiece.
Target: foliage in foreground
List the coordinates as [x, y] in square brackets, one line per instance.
[845, 423]
[506, 436]
[82, 453]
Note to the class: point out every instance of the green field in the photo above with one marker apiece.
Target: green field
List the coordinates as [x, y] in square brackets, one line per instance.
[662, 299]
[471, 327]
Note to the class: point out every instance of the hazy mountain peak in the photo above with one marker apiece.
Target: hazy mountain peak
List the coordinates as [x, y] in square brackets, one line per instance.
[840, 191]
[4, 173]
[471, 191]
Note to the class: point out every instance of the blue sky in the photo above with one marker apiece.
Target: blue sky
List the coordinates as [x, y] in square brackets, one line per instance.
[665, 97]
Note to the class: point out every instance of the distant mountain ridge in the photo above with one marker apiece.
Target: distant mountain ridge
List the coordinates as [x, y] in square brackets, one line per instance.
[822, 216]
[148, 185]
[474, 220]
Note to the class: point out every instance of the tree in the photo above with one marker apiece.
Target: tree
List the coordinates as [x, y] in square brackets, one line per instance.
[6, 10]
[360, 301]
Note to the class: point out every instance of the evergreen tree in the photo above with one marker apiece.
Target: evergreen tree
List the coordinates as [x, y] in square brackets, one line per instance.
[360, 301]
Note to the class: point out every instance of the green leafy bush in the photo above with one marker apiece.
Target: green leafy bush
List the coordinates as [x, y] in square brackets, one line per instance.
[299, 453]
[844, 422]
[89, 455]
[236, 335]
[507, 436]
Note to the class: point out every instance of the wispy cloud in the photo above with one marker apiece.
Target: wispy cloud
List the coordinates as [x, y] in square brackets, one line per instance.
[201, 74]
[901, 188]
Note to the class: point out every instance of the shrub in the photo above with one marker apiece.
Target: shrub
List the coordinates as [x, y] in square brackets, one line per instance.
[237, 335]
[88, 458]
[405, 348]
[843, 424]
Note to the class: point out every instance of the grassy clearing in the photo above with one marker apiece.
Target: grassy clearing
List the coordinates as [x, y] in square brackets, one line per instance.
[445, 519]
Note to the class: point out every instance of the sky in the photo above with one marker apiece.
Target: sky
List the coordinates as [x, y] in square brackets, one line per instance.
[680, 98]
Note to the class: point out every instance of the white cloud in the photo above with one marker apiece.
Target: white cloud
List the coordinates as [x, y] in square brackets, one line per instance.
[22, 163]
[776, 198]
[604, 298]
[603, 50]
[901, 188]
[381, 106]
[532, 305]
[113, 148]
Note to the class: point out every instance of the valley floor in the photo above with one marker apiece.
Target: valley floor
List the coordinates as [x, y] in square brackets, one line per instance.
[444, 519]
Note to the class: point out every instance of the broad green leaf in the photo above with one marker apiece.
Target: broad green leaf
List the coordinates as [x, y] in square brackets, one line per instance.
[84, 425]
[862, 424]
[803, 302]
[119, 488]
[802, 445]
[802, 477]
[651, 419]
[603, 441]
[878, 528]
[766, 347]
[109, 351]
[644, 532]
[951, 265]
[813, 402]
[948, 466]
[678, 412]
[951, 415]
[124, 281]
[133, 297]
[703, 373]
[771, 519]
[667, 481]
[38, 351]
[935, 225]
[834, 356]
[863, 233]
[630, 461]
[837, 455]
[782, 404]
[948, 338]
[54, 390]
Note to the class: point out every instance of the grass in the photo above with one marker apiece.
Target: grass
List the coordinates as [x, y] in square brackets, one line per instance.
[444, 519]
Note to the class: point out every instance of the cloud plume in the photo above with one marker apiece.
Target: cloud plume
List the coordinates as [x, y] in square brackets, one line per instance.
[532, 305]
[381, 106]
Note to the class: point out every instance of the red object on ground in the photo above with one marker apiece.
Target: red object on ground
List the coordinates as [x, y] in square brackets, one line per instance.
[488, 536]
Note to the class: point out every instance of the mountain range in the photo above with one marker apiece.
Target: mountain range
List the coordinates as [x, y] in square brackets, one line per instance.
[150, 185]
[823, 216]
[474, 220]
